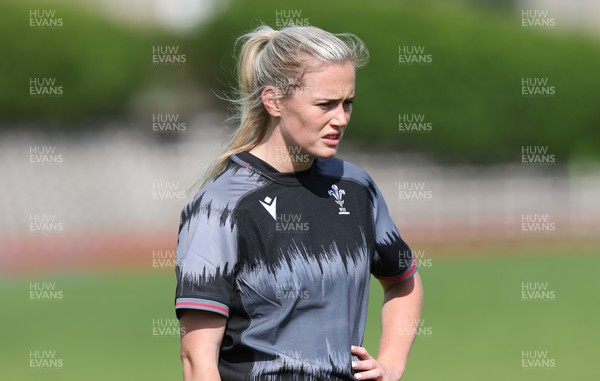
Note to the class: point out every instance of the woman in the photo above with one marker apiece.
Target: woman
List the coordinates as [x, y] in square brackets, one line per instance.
[276, 250]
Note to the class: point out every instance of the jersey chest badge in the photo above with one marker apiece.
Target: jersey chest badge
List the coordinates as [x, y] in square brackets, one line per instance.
[338, 195]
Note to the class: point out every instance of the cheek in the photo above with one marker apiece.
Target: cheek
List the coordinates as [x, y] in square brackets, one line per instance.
[309, 121]
[303, 123]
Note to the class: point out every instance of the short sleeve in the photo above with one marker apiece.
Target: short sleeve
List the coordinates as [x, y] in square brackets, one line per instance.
[206, 257]
[393, 259]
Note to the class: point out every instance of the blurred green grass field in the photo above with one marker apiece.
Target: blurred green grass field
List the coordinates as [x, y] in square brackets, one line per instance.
[102, 328]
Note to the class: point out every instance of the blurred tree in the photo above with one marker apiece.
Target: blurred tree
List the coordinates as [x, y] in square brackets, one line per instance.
[471, 92]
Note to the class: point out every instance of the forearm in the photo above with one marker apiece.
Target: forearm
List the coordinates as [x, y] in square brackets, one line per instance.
[400, 317]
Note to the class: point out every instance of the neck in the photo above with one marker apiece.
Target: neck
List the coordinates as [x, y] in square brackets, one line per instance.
[282, 156]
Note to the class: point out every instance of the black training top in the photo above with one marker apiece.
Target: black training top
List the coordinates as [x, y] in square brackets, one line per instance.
[287, 258]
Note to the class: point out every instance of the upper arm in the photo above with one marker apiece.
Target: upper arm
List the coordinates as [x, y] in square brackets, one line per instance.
[402, 287]
[201, 335]
[206, 256]
[393, 260]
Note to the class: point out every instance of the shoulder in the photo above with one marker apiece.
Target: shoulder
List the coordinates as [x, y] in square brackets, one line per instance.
[345, 170]
[222, 194]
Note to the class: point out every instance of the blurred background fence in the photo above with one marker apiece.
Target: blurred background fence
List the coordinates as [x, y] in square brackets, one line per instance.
[121, 191]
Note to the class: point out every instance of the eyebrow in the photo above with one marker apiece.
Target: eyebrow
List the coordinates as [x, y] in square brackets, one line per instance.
[334, 99]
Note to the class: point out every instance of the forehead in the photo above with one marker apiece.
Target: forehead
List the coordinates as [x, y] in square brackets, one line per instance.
[333, 80]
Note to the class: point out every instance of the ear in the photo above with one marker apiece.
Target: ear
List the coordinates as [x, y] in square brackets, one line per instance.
[270, 99]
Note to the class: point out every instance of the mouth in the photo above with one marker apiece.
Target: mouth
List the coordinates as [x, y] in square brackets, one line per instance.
[332, 139]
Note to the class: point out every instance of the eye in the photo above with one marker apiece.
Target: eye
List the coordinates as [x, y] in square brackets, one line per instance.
[325, 105]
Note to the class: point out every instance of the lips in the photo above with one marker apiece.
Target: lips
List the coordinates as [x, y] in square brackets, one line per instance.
[331, 139]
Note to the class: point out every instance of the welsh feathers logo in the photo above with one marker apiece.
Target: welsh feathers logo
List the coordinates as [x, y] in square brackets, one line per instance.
[271, 206]
[338, 195]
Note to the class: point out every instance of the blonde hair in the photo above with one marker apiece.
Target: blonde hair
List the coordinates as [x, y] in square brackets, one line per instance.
[279, 58]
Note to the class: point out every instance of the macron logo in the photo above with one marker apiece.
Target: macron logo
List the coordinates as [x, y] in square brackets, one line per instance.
[271, 206]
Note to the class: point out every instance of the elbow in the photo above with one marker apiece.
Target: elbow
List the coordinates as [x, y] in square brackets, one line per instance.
[186, 358]
[188, 366]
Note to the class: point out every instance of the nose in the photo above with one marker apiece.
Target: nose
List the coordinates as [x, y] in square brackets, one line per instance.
[341, 117]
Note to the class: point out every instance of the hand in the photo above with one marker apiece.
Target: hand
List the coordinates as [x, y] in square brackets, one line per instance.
[370, 368]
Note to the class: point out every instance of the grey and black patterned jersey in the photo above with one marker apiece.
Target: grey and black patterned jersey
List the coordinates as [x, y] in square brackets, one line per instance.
[287, 258]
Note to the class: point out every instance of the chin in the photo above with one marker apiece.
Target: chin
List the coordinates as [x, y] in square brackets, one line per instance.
[326, 153]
